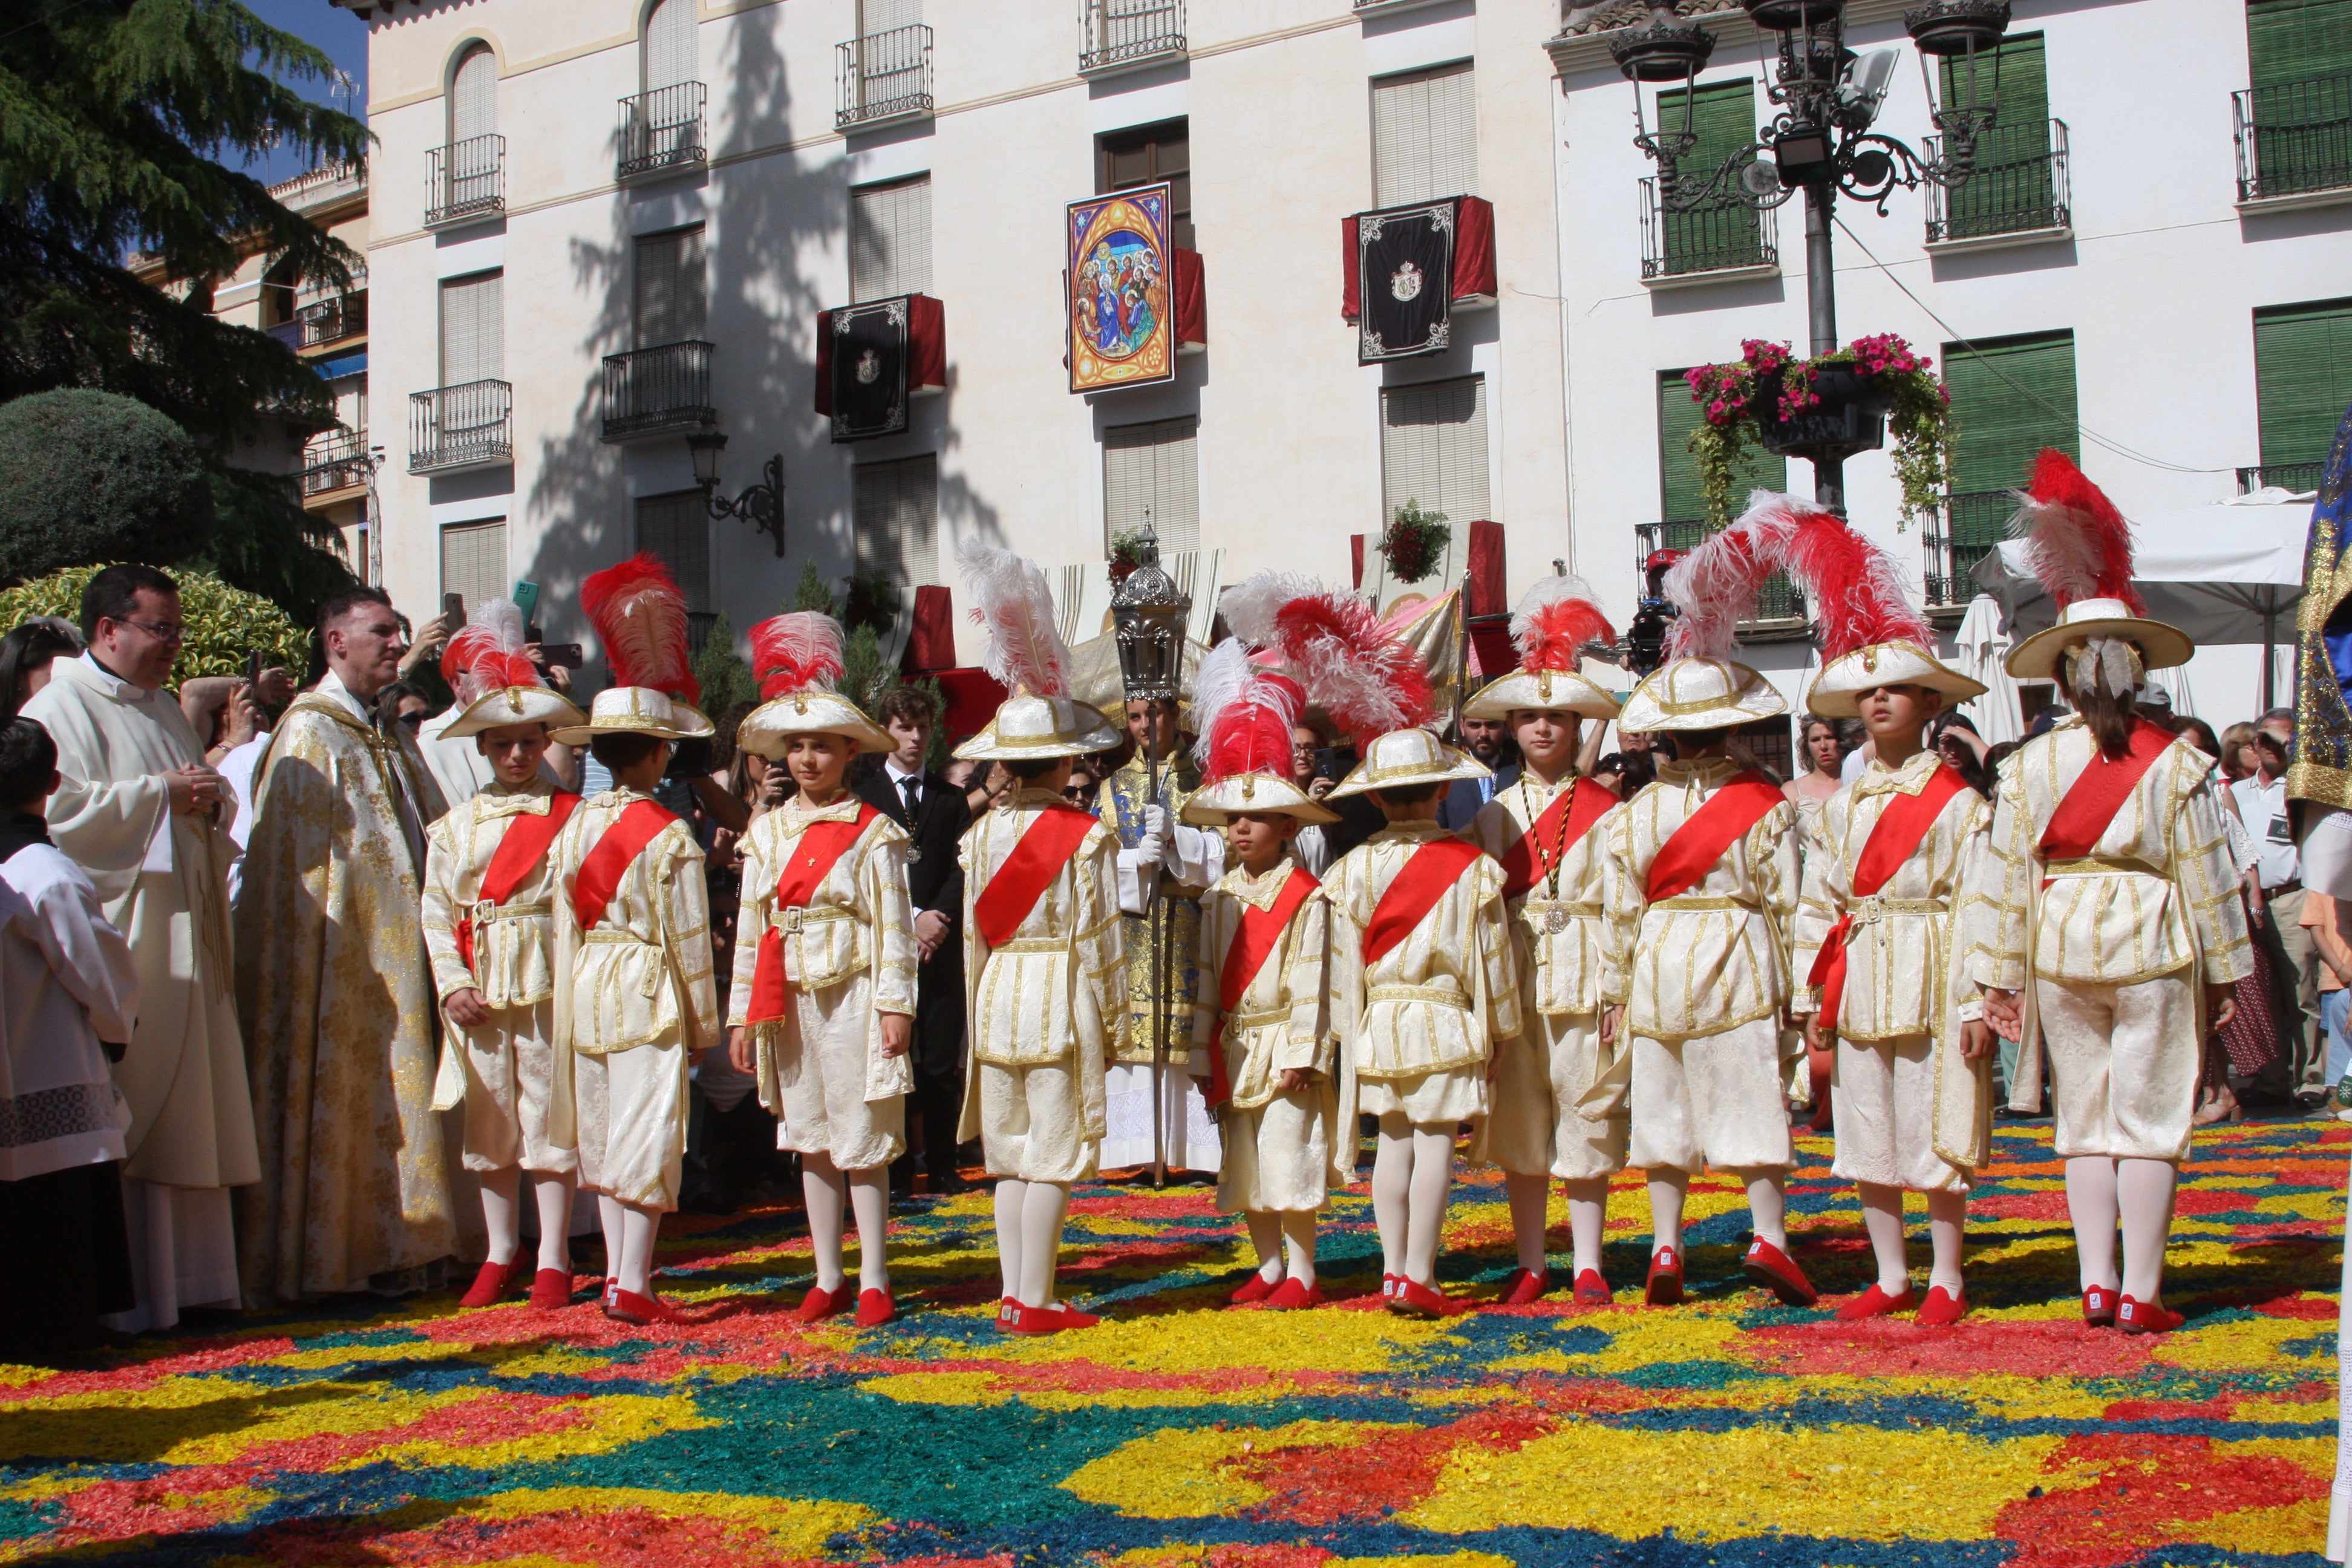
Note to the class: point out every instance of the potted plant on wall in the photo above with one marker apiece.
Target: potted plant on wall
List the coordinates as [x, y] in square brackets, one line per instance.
[1126, 553]
[1415, 542]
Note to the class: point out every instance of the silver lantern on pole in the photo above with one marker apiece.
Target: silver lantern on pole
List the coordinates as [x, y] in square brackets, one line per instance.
[1150, 614]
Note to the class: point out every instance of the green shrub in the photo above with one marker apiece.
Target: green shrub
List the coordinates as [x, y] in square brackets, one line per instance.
[725, 675]
[223, 622]
[87, 476]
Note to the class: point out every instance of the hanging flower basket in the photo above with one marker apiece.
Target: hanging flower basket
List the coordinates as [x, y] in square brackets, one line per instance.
[1415, 542]
[1835, 404]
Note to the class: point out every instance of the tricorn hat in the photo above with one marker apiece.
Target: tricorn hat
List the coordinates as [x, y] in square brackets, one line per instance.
[2080, 547]
[1248, 714]
[486, 658]
[797, 657]
[1026, 654]
[640, 616]
[1551, 630]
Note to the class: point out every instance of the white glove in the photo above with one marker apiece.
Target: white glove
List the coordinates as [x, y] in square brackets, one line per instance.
[1154, 842]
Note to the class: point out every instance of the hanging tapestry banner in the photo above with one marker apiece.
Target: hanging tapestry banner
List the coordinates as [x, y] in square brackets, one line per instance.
[869, 372]
[1122, 323]
[1404, 281]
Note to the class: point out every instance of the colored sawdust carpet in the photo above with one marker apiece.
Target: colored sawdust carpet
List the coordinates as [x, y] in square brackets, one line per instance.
[1730, 1430]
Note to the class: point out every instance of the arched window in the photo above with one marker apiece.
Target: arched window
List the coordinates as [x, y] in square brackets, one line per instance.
[474, 94]
[669, 44]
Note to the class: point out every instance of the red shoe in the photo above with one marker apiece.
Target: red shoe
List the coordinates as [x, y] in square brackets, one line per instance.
[1071, 1318]
[1591, 1291]
[1005, 1312]
[1778, 1272]
[1290, 1295]
[628, 1307]
[819, 1305]
[874, 1308]
[1389, 1286]
[1524, 1286]
[550, 1289]
[2098, 1308]
[1417, 1301]
[491, 1282]
[1874, 1302]
[2136, 1317]
[1942, 1308]
[1017, 1316]
[1665, 1288]
[1256, 1288]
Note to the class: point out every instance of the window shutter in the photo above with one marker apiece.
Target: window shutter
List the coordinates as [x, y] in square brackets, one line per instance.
[890, 239]
[885, 16]
[1434, 450]
[1728, 233]
[474, 561]
[2009, 398]
[1678, 485]
[473, 95]
[473, 338]
[669, 45]
[898, 520]
[2303, 379]
[672, 287]
[2011, 188]
[2294, 41]
[1155, 466]
[675, 529]
[1424, 136]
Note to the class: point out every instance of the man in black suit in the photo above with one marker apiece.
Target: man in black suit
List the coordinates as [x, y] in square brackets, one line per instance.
[1490, 741]
[935, 815]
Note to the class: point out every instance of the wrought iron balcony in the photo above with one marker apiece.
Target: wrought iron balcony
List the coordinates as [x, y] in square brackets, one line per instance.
[2296, 477]
[2294, 139]
[2018, 186]
[663, 129]
[336, 463]
[1972, 526]
[883, 76]
[1727, 237]
[332, 320]
[1779, 603]
[452, 428]
[466, 180]
[658, 391]
[1122, 34]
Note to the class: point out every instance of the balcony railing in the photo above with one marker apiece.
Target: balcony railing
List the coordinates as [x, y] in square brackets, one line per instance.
[332, 320]
[2294, 139]
[1779, 602]
[336, 463]
[465, 180]
[467, 427]
[1727, 237]
[1972, 526]
[1130, 32]
[663, 129]
[2018, 185]
[883, 76]
[650, 391]
[2296, 477]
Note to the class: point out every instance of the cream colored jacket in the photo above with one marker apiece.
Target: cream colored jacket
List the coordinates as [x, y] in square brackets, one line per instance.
[641, 975]
[512, 958]
[858, 921]
[1556, 923]
[1279, 1023]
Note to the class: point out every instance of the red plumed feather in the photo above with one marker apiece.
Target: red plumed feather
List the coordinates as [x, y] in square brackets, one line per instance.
[2076, 542]
[1253, 734]
[1717, 582]
[1555, 623]
[1367, 681]
[640, 616]
[486, 655]
[1856, 588]
[797, 651]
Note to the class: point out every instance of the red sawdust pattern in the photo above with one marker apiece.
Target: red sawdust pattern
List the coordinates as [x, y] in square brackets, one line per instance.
[2048, 1206]
[160, 1505]
[622, 1538]
[1898, 1347]
[1390, 1471]
[2150, 1491]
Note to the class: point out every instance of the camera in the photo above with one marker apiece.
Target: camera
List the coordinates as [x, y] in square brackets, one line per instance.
[1645, 634]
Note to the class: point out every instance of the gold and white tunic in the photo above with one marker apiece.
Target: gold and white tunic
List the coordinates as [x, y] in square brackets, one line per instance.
[1909, 1111]
[515, 1086]
[1419, 1026]
[1283, 1150]
[849, 957]
[1041, 1007]
[1554, 1113]
[638, 1002]
[2120, 945]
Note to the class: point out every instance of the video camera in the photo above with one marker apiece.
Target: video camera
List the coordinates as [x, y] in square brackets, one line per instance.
[1645, 637]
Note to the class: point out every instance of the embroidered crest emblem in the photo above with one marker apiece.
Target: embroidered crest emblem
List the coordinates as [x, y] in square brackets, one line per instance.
[1405, 282]
[869, 366]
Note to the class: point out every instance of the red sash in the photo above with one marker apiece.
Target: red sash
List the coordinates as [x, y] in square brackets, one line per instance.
[1434, 867]
[521, 849]
[1046, 845]
[1254, 942]
[2098, 793]
[1902, 828]
[820, 845]
[1691, 851]
[610, 859]
[1528, 860]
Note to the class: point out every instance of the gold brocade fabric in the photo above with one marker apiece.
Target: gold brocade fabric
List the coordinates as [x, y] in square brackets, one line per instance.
[1717, 957]
[1558, 926]
[335, 989]
[510, 947]
[1123, 796]
[2156, 893]
[641, 975]
[1278, 1023]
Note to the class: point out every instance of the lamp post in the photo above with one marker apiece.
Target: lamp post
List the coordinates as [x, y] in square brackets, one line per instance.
[1150, 613]
[760, 505]
[1820, 142]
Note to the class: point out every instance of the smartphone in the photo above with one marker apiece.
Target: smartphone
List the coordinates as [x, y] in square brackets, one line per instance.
[1332, 762]
[452, 610]
[532, 632]
[566, 654]
[526, 599]
[253, 666]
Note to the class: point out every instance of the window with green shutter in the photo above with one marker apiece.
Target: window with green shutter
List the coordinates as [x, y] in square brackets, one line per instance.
[2296, 114]
[1681, 510]
[2303, 383]
[2010, 398]
[2013, 188]
[1723, 233]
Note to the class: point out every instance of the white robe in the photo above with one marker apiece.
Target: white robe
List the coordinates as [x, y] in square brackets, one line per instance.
[1188, 1130]
[67, 980]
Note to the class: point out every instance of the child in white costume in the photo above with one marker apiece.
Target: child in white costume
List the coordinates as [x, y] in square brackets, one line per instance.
[488, 917]
[2111, 929]
[1045, 981]
[1559, 1110]
[1264, 933]
[634, 1000]
[1879, 949]
[822, 1005]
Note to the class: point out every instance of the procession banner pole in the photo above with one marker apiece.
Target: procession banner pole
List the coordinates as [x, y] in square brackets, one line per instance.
[1461, 651]
[1159, 966]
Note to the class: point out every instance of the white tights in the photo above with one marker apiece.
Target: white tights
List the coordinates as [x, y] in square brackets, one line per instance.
[502, 1214]
[823, 1184]
[1587, 1215]
[1881, 1214]
[1766, 1207]
[629, 1233]
[1029, 1217]
[2099, 1192]
[1413, 1174]
[1274, 1233]
[1530, 1202]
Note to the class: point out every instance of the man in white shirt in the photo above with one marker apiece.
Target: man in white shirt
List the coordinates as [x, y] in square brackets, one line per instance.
[2263, 806]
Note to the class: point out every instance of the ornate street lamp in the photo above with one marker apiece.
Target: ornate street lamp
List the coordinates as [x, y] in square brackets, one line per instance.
[760, 505]
[1150, 613]
[1820, 140]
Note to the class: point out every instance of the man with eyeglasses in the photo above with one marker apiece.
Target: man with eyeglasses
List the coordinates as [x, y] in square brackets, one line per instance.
[143, 816]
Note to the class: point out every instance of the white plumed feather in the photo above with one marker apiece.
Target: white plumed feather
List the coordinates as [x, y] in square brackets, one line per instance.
[1249, 605]
[1010, 596]
[1717, 582]
[1219, 682]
